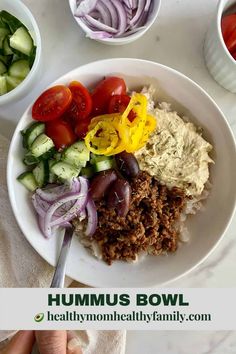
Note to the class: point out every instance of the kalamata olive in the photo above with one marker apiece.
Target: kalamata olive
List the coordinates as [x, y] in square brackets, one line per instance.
[101, 182]
[119, 196]
[127, 164]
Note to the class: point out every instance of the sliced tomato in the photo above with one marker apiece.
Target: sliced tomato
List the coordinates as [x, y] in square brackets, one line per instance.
[81, 128]
[228, 25]
[234, 55]
[61, 133]
[52, 103]
[105, 89]
[81, 106]
[231, 42]
[118, 104]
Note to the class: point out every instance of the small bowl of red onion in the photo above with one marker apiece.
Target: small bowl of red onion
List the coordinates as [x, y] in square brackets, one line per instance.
[115, 22]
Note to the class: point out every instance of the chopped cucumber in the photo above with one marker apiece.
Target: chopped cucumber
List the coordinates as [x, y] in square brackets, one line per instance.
[28, 180]
[10, 21]
[5, 46]
[77, 154]
[41, 145]
[52, 177]
[6, 59]
[103, 165]
[29, 159]
[87, 172]
[17, 50]
[19, 69]
[64, 170]
[3, 85]
[4, 32]
[22, 41]
[31, 133]
[97, 158]
[12, 82]
[41, 173]
[3, 68]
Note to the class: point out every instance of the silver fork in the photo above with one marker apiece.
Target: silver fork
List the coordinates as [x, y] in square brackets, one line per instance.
[60, 271]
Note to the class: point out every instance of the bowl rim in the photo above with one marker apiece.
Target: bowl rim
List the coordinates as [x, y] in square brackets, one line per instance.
[229, 218]
[123, 40]
[6, 98]
[220, 10]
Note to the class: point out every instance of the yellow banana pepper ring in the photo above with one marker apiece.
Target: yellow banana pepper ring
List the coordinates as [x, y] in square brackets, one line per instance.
[110, 134]
[102, 139]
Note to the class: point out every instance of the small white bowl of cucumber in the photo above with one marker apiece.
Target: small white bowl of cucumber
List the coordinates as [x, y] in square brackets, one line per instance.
[20, 50]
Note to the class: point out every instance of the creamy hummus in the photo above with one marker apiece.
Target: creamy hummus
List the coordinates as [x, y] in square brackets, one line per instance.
[176, 153]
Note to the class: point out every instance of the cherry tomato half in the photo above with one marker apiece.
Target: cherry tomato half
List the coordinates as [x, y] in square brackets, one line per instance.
[103, 92]
[234, 55]
[228, 25]
[118, 104]
[61, 133]
[231, 42]
[81, 128]
[52, 103]
[81, 106]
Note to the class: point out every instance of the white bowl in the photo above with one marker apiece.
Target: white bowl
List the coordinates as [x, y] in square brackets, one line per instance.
[219, 61]
[123, 40]
[18, 9]
[206, 228]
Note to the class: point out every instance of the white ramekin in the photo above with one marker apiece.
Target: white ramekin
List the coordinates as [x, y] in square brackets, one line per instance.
[219, 61]
[122, 40]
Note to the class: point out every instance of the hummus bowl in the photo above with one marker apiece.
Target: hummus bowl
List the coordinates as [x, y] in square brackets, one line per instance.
[206, 228]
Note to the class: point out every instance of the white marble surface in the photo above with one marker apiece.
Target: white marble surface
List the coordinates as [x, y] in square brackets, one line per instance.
[176, 39]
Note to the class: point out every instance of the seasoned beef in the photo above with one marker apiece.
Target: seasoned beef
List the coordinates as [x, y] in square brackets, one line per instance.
[149, 225]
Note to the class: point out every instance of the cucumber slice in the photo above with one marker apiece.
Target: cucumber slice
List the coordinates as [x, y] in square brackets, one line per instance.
[87, 172]
[41, 145]
[31, 133]
[64, 171]
[2, 23]
[97, 158]
[29, 159]
[3, 85]
[10, 21]
[77, 154]
[22, 41]
[41, 173]
[6, 59]
[19, 69]
[52, 177]
[103, 165]
[3, 68]
[5, 46]
[4, 32]
[12, 82]
[32, 56]
[28, 180]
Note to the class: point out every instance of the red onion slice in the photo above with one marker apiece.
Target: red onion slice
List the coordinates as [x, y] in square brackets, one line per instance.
[121, 16]
[140, 9]
[85, 7]
[99, 35]
[92, 218]
[113, 13]
[104, 13]
[78, 206]
[99, 25]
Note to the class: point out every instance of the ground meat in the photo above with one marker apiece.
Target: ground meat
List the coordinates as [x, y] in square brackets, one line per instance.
[149, 225]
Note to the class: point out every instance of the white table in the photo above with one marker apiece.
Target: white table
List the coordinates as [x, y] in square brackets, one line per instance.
[176, 40]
